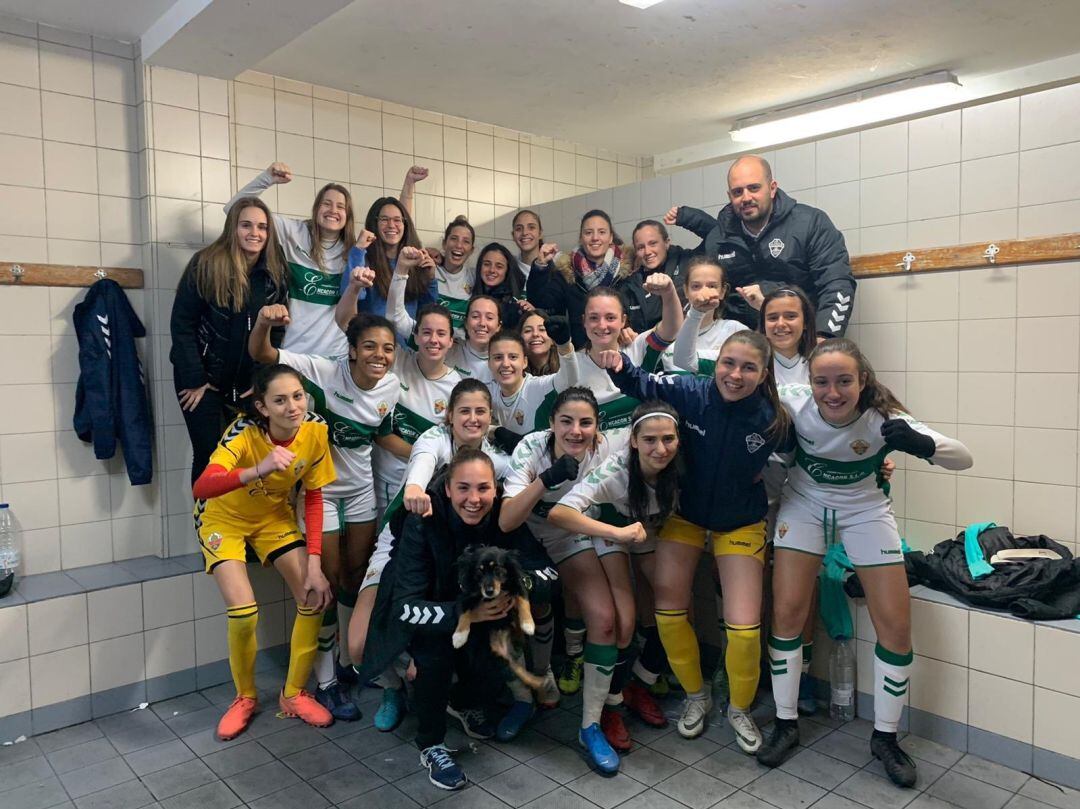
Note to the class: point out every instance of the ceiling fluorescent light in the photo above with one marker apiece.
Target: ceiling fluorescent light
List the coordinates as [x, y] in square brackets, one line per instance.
[849, 110]
[640, 3]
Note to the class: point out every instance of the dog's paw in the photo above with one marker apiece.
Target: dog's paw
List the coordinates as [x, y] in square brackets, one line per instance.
[459, 639]
[528, 627]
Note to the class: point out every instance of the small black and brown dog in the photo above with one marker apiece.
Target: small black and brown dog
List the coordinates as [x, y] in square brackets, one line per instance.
[484, 573]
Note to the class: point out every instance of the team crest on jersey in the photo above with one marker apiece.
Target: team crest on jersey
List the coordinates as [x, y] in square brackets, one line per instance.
[859, 447]
[440, 406]
[519, 417]
[468, 289]
[754, 442]
[776, 247]
[382, 409]
[782, 530]
[213, 542]
[298, 468]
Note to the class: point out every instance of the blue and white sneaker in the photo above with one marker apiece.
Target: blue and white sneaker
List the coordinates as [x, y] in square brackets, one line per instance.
[391, 709]
[335, 698]
[511, 724]
[594, 745]
[443, 771]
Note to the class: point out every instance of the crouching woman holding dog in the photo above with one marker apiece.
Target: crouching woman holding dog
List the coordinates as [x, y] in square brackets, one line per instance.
[420, 607]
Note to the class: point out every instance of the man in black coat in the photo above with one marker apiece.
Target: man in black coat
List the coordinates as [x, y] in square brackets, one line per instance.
[765, 239]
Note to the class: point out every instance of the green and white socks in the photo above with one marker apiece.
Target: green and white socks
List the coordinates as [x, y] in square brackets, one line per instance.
[324, 657]
[785, 666]
[600, 663]
[892, 674]
[574, 636]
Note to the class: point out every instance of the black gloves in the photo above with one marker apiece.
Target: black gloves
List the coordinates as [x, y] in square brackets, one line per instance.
[558, 329]
[898, 434]
[564, 469]
[505, 439]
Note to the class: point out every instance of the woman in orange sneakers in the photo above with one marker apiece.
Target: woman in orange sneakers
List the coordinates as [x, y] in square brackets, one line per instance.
[243, 499]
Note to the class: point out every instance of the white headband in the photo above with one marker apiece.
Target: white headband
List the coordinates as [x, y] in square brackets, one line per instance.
[653, 415]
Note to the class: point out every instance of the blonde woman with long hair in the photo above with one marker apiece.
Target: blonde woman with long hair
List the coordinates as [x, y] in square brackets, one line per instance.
[217, 302]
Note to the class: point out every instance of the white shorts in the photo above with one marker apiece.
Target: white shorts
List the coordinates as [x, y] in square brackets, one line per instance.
[379, 557]
[384, 493]
[563, 547]
[350, 509]
[870, 537]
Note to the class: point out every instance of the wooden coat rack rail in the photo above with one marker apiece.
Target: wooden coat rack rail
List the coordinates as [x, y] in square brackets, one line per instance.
[19, 273]
[964, 256]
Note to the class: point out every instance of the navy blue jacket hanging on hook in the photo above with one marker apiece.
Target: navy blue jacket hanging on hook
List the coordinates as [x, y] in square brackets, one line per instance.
[111, 403]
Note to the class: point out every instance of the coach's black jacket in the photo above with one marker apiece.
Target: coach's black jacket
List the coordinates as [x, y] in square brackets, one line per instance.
[799, 245]
[111, 402]
[418, 591]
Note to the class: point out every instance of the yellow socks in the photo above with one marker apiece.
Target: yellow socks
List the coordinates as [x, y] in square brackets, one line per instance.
[302, 648]
[681, 646]
[242, 647]
[743, 663]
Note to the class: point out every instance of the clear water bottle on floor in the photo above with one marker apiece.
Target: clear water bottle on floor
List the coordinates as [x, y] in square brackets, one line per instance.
[842, 681]
[9, 550]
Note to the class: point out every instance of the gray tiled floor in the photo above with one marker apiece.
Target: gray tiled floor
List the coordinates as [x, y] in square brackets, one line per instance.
[167, 757]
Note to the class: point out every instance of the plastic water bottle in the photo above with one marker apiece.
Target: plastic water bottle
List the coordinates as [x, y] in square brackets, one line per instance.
[842, 681]
[9, 550]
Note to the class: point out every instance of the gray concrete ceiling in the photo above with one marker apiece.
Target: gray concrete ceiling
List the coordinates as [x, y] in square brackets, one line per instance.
[599, 72]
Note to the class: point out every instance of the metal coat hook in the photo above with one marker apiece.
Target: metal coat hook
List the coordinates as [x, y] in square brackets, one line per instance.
[990, 254]
[17, 271]
[906, 262]
[100, 274]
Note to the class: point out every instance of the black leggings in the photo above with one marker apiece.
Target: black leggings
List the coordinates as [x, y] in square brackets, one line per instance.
[478, 682]
[205, 425]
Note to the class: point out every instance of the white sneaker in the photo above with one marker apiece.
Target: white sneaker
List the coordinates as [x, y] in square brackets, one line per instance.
[695, 711]
[746, 730]
[548, 695]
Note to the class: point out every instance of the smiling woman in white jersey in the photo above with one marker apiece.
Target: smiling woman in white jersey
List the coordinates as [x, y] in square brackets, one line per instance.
[604, 319]
[545, 465]
[316, 251]
[455, 280]
[703, 332]
[468, 356]
[426, 381]
[518, 395]
[845, 423]
[635, 491]
[356, 396]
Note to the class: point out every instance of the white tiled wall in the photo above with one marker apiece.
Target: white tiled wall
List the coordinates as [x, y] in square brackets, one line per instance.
[69, 193]
[103, 162]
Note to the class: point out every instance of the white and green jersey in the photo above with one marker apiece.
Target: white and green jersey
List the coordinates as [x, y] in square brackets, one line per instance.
[467, 362]
[531, 457]
[615, 409]
[421, 405]
[604, 495]
[314, 290]
[695, 350]
[837, 467]
[355, 416]
[518, 412]
[455, 289]
[790, 372]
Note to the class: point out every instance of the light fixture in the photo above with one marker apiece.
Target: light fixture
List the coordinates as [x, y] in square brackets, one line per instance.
[848, 110]
[640, 3]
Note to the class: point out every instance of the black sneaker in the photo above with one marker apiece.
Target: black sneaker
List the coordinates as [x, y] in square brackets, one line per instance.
[443, 771]
[898, 764]
[783, 738]
[474, 721]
